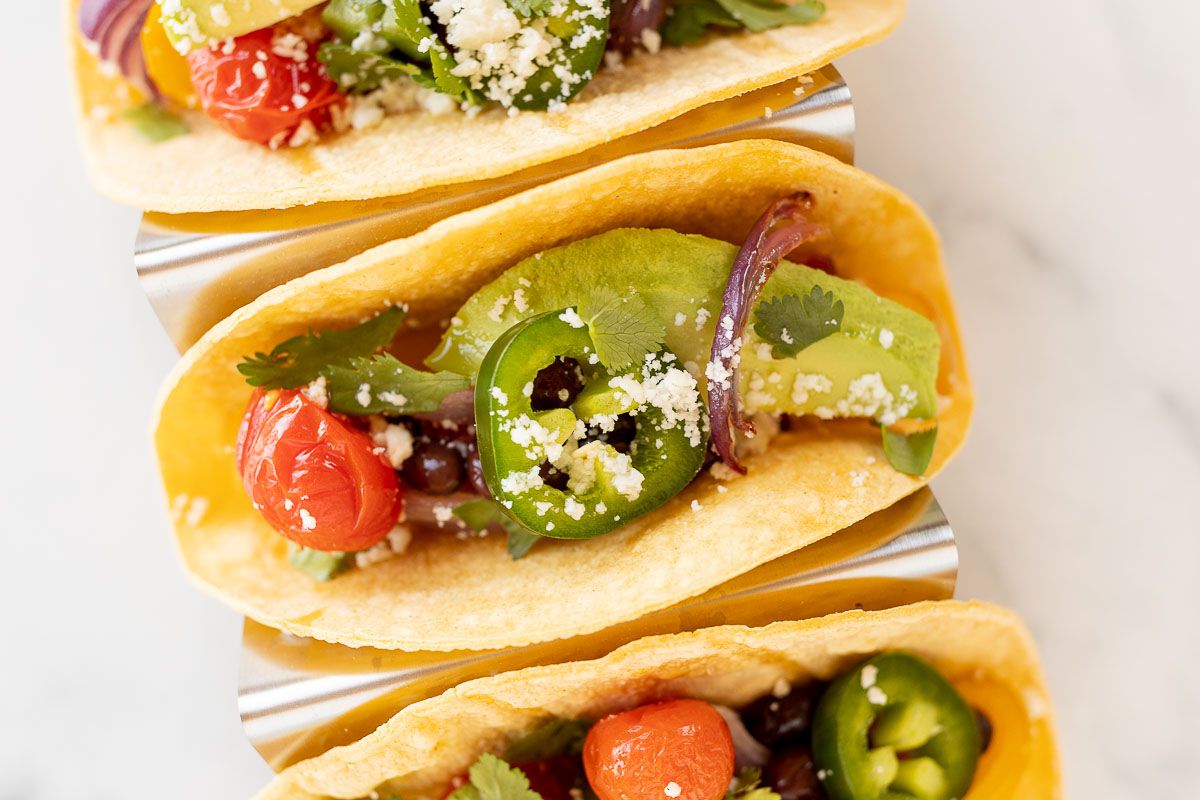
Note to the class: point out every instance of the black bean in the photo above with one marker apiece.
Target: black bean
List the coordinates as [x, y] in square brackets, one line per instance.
[554, 478]
[433, 468]
[985, 730]
[620, 437]
[776, 720]
[475, 474]
[557, 385]
[793, 775]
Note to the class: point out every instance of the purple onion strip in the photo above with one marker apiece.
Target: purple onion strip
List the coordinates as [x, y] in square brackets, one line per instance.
[115, 26]
[630, 18]
[779, 231]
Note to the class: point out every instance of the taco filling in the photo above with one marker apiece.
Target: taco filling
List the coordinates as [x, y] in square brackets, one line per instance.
[287, 72]
[586, 386]
[892, 727]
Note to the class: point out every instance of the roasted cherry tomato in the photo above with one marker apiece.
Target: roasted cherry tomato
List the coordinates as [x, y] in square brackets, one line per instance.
[315, 479]
[673, 750]
[263, 86]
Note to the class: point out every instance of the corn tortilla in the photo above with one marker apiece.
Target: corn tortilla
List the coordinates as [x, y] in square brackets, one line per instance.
[211, 170]
[423, 746]
[446, 594]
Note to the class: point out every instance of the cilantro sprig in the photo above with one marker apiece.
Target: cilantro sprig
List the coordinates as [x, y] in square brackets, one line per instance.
[691, 19]
[493, 779]
[793, 322]
[479, 514]
[528, 9]
[748, 787]
[302, 359]
[318, 564]
[558, 737]
[624, 329]
[382, 384]
[909, 453]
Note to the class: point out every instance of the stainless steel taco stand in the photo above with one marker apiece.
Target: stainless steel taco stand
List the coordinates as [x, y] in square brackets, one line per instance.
[298, 697]
[198, 268]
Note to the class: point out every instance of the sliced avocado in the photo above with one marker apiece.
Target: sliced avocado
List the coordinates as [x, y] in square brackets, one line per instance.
[192, 24]
[882, 363]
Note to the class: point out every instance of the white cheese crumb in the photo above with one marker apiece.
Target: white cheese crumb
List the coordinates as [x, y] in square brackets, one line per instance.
[696, 506]
[442, 514]
[876, 696]
[307, 520]
[672, 789]
[318, 392]
[886, 338]
[870, 673]
[396, 441]
[572, 318]
[363, 396]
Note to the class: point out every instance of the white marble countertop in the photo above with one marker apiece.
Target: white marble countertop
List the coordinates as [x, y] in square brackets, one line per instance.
[1054, 145]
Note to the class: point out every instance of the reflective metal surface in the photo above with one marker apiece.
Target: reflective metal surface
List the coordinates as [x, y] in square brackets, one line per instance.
[198, 268]
[297, 697]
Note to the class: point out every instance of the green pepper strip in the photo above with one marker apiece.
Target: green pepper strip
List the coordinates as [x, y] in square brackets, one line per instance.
[665, 458]
[907, 734]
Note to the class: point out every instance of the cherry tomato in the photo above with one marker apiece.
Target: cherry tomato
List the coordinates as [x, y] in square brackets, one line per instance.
[264, 85]
[315, 479]
[672, 750]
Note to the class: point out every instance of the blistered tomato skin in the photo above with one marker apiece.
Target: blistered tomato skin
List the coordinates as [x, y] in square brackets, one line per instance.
[672, 750]
[315, 479]
[263, 86]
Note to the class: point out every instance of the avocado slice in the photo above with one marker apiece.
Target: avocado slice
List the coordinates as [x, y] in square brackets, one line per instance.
[192, 24]
[881, 364]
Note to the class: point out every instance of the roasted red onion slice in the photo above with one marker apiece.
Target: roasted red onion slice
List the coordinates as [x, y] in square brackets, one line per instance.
[456, 408]
[747, 751]
[429, 510]
[630, 18]
[779, 231]
[115, 27]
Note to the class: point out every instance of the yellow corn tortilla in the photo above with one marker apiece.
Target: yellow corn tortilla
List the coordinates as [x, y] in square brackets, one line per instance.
[974, 645]
[446, 594]
[211, 170]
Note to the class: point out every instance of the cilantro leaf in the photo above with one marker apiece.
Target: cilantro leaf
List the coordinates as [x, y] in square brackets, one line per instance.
[909, 453]
[479, 514]
[624, 329]
[493, 779]
[318, 564]
[302, 358]
[761, 15]
[388, 386]
[792, 323]
[530, 8]
[558, 737]
[747, 787]
[361, 70]
[155, 122]
[690, 19]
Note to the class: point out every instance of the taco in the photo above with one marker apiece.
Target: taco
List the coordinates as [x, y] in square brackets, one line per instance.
[596, 356]
[195, 105]
[934, 701]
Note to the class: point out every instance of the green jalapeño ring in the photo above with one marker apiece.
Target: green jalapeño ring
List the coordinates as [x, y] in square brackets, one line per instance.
[519, 446]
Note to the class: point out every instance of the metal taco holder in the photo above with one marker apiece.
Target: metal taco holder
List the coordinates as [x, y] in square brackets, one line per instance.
[299, 697]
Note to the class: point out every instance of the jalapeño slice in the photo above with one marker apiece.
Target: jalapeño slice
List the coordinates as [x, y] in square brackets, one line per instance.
[604, 488]
[894, 729]
[582, 28]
